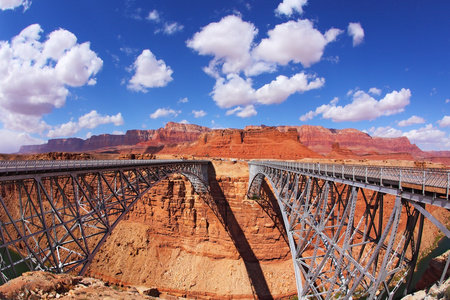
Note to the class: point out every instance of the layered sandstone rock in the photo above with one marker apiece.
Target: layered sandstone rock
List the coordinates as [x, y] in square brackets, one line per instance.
[251, 143]
[223, 247]
[171, 133]
[321, 140]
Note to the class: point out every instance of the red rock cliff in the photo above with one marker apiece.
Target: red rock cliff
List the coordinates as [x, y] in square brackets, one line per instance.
[174, 241]
[250, 143]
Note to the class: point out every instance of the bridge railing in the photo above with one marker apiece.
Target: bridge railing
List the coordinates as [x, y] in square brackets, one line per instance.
[423, 180]
[35, 166]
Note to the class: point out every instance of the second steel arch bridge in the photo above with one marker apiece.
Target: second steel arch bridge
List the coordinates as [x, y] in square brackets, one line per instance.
[354, 231]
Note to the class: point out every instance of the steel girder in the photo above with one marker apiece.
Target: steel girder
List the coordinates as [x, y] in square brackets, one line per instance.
[58, 221]
[344, 242]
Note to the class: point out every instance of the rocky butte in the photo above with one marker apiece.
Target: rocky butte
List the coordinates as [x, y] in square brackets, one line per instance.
[172, 241]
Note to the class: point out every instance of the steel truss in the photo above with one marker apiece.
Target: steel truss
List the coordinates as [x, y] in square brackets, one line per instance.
[57, 218]
[343, 236]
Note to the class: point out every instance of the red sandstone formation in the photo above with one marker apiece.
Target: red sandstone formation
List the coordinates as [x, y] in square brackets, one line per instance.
[171, 133]
[253, 142]
[258, 143]
[215, 248]
[321, 140]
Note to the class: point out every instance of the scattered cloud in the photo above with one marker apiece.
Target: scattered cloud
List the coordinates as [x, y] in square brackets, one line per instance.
[46, 69]
[199, 113]
[243, 112]
[447, 101]
[296, 41]
[385, 132]
[90, 120]
[429, 138]
[375, 91]
[171, 28]
[13, 140]
[183, 100]
[164, 112]
[168, 28]
[12, 4]
[149, 73]
[289, 7]
[117, 132]
[153, 16]
[445, 122]
[411, 121]
[356, 31]
[129, 51]
[184, 122]
[363, 107]
[234, 90]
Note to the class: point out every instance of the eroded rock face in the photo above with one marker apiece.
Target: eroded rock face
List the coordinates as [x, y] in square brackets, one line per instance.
[321, 140]
[434, 272]
[251, 143]
[226, 247]
[171, 133]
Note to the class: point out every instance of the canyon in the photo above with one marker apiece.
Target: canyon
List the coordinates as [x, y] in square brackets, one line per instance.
[230, 247]
[252, 142]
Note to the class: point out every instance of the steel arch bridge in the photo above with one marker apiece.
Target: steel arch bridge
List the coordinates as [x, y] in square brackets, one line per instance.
[56, 214]
[354, 231]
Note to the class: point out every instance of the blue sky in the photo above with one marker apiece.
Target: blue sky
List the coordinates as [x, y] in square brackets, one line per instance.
[76, 68]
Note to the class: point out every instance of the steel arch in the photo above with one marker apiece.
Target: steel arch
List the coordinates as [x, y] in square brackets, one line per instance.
[341, 247]
[57, 218]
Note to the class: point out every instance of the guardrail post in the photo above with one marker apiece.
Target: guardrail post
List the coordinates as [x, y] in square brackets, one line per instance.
[400, 181]
[423, 186]
[448, 183]
[367, 181]
[381, 176]
[353, 173]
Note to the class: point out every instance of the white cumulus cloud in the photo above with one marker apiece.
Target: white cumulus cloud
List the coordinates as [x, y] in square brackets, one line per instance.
[234, 90]
[411, 121]
[35, 75]
[12, 4]
[90, 120]
[199, 113]
[429, 138]
[229, 41]
[363, 107]
[243, 112]
[13, 140]
[288, 7]
[296, 41]
[282, 87]
[149, 73]
[375, 91]
[164, 112]
[386, 132]
[445, 122]
[356, 31]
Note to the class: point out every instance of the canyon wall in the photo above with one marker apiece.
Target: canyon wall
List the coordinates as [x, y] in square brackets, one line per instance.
[253, 143]
[171, 133]
[224, 247]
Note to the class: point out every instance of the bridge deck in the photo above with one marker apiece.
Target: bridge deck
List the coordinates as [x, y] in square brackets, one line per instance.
[11, 169]
[422, 185]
